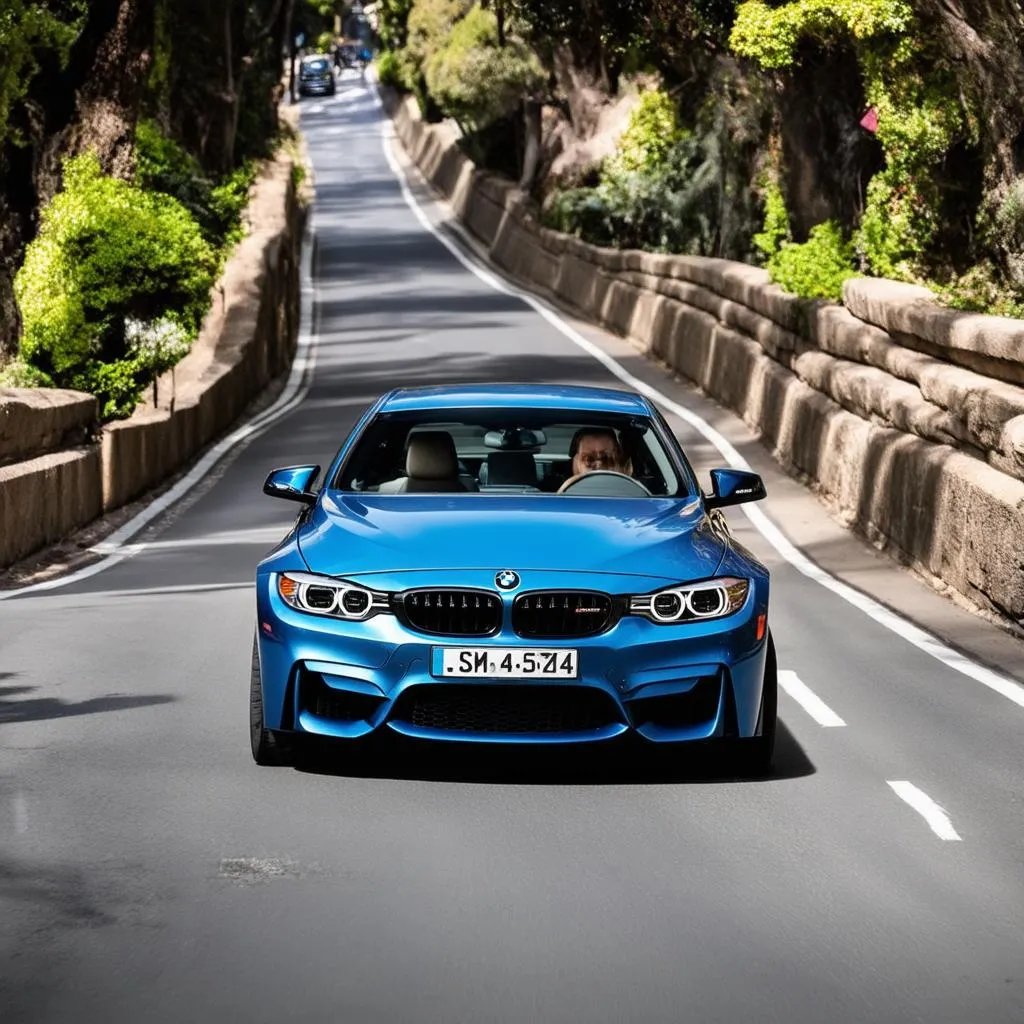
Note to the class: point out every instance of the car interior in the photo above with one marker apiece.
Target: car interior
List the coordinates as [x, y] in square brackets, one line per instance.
[401, 456]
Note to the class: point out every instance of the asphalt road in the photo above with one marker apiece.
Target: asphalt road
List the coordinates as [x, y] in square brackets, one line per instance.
[149, 871]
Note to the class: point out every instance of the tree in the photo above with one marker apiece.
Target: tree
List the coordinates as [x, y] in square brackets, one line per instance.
[74, 82]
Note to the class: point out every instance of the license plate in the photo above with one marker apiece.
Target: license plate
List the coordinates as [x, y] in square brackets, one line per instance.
[504, 663]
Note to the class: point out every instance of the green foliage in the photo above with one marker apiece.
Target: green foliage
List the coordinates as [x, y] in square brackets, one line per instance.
[112, 263]
[653, 131]
[769, 35]
[670, 208]
[983, 289]
[918, 121]
[776, 231]
[428, 27]
[324, 43]
[162, 165]
[393, 22]
[693, 196]
[475, 80]
[430, 22]
[916, 98]
[389, 69]
[228, 200]
[817, 268]
[28, 29]
[19, 374]
[583, 212]
[1001, 232]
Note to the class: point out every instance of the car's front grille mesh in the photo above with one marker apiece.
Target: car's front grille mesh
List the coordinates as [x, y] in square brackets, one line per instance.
[450, 612]
[562, 613]
[506, 710]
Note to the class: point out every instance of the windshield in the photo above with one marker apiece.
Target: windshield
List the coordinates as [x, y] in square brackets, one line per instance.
[316, 65]
[518, 451]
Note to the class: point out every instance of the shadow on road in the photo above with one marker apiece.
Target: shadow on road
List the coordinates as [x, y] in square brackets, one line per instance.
[608, 764]
[39, 709]
[54, 891]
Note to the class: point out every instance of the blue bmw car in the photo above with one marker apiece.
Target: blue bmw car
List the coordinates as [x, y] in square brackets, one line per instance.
[531, 564]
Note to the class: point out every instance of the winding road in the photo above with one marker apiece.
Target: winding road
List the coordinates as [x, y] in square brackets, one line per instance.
[149, 871]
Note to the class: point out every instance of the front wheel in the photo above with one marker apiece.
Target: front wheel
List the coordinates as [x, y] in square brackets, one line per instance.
[268, 748]
[758, 752]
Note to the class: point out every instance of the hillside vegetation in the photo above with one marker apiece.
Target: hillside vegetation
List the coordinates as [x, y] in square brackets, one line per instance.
[130, 134]
[819, 139]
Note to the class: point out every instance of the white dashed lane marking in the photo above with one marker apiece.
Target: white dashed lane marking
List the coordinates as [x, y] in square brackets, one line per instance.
[796, 688]
[938, 820]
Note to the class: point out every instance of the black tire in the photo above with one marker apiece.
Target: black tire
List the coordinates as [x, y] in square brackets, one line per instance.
[268, 748]
[758, 753]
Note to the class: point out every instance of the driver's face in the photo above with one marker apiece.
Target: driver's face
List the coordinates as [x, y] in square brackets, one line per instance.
[597, 451]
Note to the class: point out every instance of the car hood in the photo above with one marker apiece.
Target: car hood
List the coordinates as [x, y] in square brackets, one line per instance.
[348, 535]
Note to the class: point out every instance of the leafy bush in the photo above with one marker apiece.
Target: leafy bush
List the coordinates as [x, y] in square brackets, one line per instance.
[162, 165]
[817, 268]
[651, 134]
[983, 289]
[110, 254]
[393, 22]
[769, 33]
[429, 23]
[776, 222]
[475, 80]
[324, 43]
[582, 212]
[19, 374]
[669, 209]
[389, 69]
[228, 200]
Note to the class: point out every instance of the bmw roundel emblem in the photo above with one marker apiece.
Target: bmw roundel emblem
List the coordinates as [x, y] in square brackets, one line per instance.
[507, 579]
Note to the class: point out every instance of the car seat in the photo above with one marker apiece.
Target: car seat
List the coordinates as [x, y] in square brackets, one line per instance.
[431, 466]
[509, 469]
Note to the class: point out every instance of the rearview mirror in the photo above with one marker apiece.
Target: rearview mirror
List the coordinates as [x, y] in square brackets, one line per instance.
[292, 483]
[734, 487]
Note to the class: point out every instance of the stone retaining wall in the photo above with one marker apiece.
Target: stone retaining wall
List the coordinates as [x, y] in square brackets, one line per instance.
[906, 418]
[59, 471]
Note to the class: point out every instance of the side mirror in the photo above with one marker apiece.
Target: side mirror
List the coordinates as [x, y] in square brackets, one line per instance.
[734, 487]
[292, 483]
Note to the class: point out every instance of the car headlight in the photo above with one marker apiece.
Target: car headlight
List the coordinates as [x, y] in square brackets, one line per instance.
[710, 599]
[324, 595]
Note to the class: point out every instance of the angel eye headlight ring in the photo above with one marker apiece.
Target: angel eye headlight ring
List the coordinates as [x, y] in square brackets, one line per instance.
[330, 597]
[692, 602]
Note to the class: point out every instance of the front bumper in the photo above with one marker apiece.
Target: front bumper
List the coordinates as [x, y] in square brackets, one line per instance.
[663, 683]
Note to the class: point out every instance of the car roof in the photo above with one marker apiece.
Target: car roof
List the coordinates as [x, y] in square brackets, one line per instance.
[516, 396]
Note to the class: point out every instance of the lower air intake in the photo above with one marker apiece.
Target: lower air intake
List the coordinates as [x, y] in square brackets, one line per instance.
[679, 710]
[506, 710]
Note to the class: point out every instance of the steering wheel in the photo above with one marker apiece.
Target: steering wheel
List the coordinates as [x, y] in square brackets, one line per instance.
[604, 483]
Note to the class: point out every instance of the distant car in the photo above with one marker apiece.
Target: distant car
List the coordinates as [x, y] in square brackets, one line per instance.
[316, 76]
[461, 575]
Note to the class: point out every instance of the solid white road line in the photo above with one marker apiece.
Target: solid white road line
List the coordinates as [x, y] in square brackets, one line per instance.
[300, 377]
[1001, 684]
[937, 818]
[808, 699]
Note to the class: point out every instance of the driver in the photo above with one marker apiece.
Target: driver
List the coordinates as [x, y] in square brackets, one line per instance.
[596, 448]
